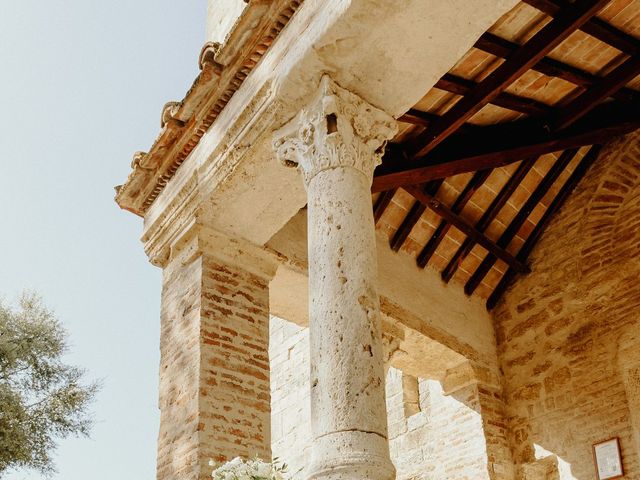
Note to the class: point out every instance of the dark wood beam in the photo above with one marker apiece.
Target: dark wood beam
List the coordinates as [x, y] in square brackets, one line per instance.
[610, 83]
[488, 216]
[522, 215]
[461, 86]
[503, 48]
[382, 203]
[413, 216]
[422, 119]
[470, 188]
[595, 27]
[537, 232]
[525, 57]
[499, 145]
[418, 117]
[401, 235]
[445, 212]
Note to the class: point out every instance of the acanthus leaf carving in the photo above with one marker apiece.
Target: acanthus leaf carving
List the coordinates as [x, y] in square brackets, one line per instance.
[337, 129]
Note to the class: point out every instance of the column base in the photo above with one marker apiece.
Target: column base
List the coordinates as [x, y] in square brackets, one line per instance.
[334, 457]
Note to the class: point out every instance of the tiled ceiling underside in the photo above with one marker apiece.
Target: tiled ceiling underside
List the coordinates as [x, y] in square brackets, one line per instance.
[507, 159]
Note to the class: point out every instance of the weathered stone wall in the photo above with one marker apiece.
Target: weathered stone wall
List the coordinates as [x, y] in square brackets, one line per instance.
[214, 367]
[432, 435]
[570, 380]
[290, 395]
[444, 440]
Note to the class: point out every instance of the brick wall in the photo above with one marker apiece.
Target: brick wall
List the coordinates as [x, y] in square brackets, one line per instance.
[559, 328]
[214, 370]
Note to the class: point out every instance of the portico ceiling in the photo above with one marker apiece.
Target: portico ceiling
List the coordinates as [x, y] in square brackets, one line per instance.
[487, 157]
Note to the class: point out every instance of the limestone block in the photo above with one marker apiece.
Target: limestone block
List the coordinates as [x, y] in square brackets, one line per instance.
[221, 16]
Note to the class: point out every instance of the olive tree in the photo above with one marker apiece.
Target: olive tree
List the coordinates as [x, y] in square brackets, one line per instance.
[42, 399]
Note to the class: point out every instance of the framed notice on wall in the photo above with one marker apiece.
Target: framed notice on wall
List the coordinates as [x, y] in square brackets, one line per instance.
[608, 460]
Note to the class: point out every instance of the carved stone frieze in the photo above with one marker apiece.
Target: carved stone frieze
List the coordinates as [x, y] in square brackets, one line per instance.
[337, 129]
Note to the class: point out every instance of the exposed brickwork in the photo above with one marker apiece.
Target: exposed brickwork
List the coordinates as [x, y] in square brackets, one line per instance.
[214, 372]
[558, 329]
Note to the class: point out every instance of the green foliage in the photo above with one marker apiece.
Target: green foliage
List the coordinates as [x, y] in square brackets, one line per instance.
[42, 399]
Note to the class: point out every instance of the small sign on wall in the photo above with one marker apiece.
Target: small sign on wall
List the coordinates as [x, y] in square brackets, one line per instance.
[608, 460]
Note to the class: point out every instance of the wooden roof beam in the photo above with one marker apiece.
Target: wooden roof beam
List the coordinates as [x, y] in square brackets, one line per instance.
[595, 27]
[502, 48]
[413, 216]
[430, 202]
[514, 226]
[382, 203]
[488, 216]
[499, 145]
[521, 60]
[461, 86]
[539, 229]
[610, 83]
[469, 190]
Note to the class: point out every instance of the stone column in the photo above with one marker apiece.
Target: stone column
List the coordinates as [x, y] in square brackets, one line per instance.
[214, 366]
[337, 142]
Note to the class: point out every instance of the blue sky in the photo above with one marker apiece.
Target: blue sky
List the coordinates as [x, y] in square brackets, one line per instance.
[82, 84]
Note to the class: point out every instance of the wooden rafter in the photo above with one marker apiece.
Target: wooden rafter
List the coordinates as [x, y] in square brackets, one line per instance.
[472, 187]
[522, 215]
[610, 83]
[488, 216]
[461, 86]
[503, 48]
[445, 212]
[525, 57]
[499, 145]
[413, 216]
[595, 27]
[599, 109]
[535, 235]
[382, 203]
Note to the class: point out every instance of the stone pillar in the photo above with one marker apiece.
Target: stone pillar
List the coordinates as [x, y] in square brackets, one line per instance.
[480, 390]
[337, 142]
[214, 367]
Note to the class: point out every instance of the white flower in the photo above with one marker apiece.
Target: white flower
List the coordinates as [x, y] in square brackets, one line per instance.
[255, 469]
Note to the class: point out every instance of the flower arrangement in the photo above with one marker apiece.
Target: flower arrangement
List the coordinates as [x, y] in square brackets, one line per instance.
[254, 469]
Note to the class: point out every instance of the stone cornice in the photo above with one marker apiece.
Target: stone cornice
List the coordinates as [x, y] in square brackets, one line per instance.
[223, 70]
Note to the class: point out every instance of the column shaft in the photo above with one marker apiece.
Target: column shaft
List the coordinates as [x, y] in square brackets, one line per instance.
[337, 142]
[347, 374]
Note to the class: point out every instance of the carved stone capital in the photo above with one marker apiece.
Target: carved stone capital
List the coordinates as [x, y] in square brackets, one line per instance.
[336, 129]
